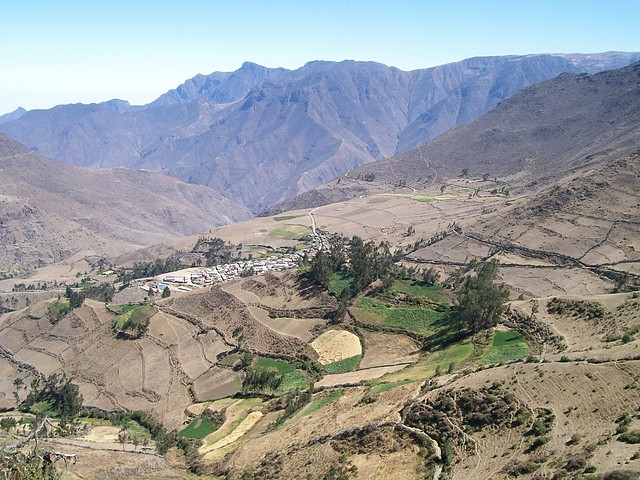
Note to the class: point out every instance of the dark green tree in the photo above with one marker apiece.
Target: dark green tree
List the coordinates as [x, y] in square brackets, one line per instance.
[63, 396]
[481, 301]
[166, 292]
[75, 298]
[321, 268]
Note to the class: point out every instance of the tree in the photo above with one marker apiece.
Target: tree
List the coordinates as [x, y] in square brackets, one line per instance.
[75, 298]
[123, 436]
[22, 461]
[481, 301]
[63, 396]
[17, 382]
[166, 292]
[320, 269]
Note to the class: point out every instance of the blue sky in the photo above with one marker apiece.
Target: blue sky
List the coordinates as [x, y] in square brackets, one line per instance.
[54, 52]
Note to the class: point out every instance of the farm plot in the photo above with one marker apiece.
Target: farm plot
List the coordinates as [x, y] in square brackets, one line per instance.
[292, 377]
[388, 349]
[596, 323]
[454, 248]
[414, 288]
[335, 345]
[424, 320]
[213, 346]
[234, 427]
[543, 282]
[219, 309]
[132, 319]
[437, 361]
[217, 383]
[354, 378]
[505, 346]
[290, 232]
[198, 429]
[7, 376]
[300, 328]
[280, 290]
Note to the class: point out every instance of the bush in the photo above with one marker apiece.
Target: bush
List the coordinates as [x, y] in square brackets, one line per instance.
[538, 442]
[632, 436]
[8, 423]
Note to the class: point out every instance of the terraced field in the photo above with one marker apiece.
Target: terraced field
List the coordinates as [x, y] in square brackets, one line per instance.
[336, 345]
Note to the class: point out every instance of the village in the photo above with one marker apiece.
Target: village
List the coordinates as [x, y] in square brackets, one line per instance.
[188, 279]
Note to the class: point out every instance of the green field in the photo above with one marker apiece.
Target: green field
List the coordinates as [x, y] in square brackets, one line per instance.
[343, 366]
[424, 320]
[319, 403]
[506, 346]
[292, 377]
[284, 218]
[419, 289]
[58, 309]
[198, 428]
[456, 354]
[132, 318]
[134, 429]
[242, 409]
[120, 308]
[340, 281]
[383, 387]
[291, 232]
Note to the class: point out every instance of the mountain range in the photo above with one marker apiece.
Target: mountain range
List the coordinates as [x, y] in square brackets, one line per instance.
[544, 132]
[261, 135]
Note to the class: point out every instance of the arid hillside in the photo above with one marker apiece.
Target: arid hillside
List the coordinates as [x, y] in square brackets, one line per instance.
[542, 133]
[50, 211]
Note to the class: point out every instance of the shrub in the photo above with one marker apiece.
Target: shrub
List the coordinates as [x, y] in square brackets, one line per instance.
[632, 436]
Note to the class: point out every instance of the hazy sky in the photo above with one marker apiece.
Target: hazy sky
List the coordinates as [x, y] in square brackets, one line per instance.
[54, 52]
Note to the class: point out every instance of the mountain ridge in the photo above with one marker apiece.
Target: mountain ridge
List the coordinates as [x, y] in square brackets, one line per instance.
[543, 132]
[261, 135]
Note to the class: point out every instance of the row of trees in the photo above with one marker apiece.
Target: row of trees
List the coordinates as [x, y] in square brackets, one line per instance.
[102, 293]
[366, 262]
[216, 251]
[151, 269]
[480, 300]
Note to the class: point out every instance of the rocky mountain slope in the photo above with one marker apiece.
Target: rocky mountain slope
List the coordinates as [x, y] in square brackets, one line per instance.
[262, 135]
[50, 211]
[546, 131]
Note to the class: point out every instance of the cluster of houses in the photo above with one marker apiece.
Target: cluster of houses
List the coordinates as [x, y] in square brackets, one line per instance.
[190, 278]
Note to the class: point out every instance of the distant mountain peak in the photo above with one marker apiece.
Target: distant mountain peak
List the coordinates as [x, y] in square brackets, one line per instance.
[15, 115]
[261, 134]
